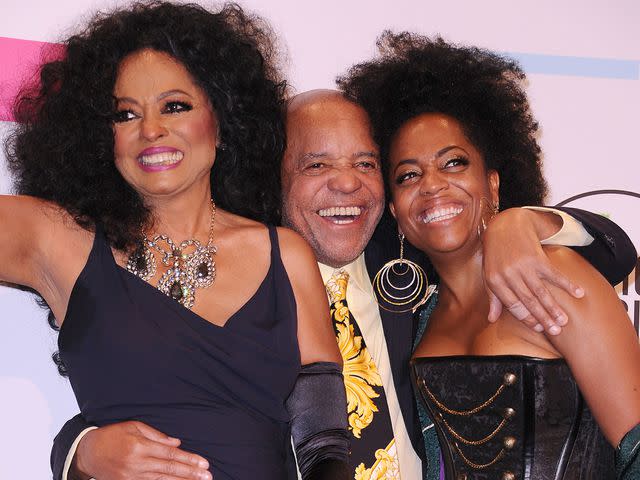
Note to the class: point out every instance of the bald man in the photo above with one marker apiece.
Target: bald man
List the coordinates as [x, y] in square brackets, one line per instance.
[333, 195]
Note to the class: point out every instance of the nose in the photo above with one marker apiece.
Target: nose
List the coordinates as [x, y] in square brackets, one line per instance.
[344, 180]
[152, 127]
[433, 181]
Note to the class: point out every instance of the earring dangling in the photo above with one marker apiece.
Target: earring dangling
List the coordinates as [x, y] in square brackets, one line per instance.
[397, 295]
[494, 208]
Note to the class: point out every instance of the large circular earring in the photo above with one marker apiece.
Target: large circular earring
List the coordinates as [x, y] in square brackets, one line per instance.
[493, 209]
[401, 285]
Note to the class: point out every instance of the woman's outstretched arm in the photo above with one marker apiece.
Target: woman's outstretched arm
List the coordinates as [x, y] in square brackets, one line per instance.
[41, 247]
[22, 231]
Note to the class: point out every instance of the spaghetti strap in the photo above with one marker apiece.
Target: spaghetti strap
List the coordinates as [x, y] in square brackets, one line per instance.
[275, 245]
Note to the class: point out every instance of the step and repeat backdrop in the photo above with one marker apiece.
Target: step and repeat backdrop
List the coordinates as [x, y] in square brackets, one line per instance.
[583, 63]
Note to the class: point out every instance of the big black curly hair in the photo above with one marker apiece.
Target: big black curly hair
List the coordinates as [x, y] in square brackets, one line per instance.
[62, 148]
[480, 89]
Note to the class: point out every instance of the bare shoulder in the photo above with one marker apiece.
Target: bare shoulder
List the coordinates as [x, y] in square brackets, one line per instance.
[578, 269]
[316, 337]
[292, 240]
[295, 251]
[600, 304]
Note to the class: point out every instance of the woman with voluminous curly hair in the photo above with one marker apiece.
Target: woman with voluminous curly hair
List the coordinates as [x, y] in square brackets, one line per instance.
[459, 144]
[147, 163]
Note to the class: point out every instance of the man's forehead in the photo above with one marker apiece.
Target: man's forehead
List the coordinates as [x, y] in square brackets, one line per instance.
[326, 121]
[326, 110]
[330, 141]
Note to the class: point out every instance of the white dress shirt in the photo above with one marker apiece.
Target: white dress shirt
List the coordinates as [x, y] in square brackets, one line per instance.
[363, 307]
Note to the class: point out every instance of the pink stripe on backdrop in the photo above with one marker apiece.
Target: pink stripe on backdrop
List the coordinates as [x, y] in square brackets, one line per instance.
[19, 61]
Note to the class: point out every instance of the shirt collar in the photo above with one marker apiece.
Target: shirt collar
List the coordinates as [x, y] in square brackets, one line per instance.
[357, 270]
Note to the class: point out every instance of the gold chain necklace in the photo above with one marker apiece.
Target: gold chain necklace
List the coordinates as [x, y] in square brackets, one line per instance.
[186, 272]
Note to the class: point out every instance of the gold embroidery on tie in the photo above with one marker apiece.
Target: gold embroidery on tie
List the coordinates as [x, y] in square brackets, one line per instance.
[359, 370]
[385, 467]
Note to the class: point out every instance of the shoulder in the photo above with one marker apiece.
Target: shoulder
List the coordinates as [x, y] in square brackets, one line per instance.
[290, 240]
[295, 251]
[600, 304]
[575, 266]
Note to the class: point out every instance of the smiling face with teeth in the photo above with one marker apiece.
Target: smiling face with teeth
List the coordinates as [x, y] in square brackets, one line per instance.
[439, 184]
[333, 193]
[165, 131]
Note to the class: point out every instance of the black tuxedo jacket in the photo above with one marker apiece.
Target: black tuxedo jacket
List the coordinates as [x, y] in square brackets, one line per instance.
[612, 253]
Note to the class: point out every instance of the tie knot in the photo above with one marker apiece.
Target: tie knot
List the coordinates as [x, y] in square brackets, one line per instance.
[337, 286]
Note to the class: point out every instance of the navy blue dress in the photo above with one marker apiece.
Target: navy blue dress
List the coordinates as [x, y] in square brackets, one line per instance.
[133, 353]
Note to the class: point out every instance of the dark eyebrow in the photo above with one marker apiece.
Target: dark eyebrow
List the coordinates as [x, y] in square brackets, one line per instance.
[172, 92]
[162, 96]
[439, 153]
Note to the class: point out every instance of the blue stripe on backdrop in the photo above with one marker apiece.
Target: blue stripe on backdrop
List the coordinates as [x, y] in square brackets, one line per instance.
[578, 66]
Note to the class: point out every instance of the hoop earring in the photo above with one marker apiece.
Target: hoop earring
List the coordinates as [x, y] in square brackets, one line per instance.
[494, 208]
[397, 295]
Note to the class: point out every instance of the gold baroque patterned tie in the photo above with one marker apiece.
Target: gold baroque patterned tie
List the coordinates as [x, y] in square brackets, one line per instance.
[373, 449]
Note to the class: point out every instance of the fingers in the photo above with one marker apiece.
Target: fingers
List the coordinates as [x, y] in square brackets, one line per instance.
[174, 469]
[529, 308]
[522, 290]
[135, 450]
[553, 275]
[504, 293]
[536, 313]
[548, 303]
[495, 307]
[523, 303]
[176, 455]
[155, 435]
[174, 462]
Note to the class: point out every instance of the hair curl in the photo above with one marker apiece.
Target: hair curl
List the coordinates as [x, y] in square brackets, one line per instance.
[62, 149]
[481, 90]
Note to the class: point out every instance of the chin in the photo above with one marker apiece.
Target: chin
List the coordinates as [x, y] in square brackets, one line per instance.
[338, 257]
[448, 242]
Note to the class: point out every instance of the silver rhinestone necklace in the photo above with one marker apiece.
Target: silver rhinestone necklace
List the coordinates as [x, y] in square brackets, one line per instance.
[190, 264]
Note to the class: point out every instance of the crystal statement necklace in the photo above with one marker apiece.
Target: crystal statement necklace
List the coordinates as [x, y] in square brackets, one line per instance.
[186, 272]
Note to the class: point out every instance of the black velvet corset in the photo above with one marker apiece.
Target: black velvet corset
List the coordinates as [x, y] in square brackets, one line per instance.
[511, 417]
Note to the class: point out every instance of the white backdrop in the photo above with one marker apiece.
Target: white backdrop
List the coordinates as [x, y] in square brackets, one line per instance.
[583, 61]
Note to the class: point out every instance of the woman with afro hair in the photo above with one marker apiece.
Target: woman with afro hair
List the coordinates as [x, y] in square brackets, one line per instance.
[147, 165]
[459, 144]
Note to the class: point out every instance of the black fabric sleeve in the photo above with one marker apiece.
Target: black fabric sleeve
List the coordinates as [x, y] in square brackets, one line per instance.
[318, 409]
[63, 441]
[611, 252]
